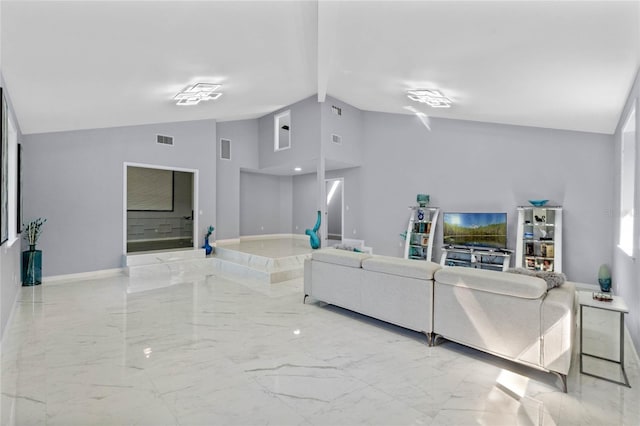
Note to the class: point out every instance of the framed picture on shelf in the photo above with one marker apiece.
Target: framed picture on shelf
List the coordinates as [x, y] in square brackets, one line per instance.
[531, 263]
[528, 249]
[425, 240]
[540, 216]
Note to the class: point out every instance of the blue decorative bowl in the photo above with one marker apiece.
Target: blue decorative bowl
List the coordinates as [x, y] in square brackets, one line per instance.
[538, 203]
[422, 199]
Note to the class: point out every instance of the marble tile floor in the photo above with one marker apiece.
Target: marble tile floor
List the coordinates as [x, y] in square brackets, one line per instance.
[218, 352]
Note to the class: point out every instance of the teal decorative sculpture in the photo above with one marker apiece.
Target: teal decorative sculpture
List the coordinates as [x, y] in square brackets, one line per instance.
[604, 278]
[314, 240]
[207, 247]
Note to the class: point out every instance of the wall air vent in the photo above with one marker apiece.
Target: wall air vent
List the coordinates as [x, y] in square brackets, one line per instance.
[225, 149]
[336, 110]
[336, 138]
[164, 140]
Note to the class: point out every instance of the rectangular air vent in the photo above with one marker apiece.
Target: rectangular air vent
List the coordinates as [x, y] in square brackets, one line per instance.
[225, 149]
[336, 138]
[336, 110]
[164, 140]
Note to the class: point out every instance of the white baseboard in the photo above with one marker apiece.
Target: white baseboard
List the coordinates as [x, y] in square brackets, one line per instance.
[226, 241]
[103, 273]
[261, 237]
[272, 237]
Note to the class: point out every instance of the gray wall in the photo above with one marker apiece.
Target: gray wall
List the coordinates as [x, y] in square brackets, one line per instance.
[265, 204]
[304, 202]
[75, 180]
[244, 154]
[305, 195]
[349, 125]
[305, 136]
[10, 256]
[626, 271]
[470, 166]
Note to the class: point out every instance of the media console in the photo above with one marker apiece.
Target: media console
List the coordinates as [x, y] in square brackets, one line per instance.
[476, 257]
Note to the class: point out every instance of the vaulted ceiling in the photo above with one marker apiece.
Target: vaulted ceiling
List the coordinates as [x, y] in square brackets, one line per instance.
[92, 64]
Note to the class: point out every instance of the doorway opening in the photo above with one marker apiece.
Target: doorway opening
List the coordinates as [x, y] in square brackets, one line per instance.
[335, 210]
[159, 206]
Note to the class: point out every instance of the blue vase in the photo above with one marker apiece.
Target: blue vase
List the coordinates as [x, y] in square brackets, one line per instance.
[605, 284]
[31, 267]
[604, 278]
[207, 247]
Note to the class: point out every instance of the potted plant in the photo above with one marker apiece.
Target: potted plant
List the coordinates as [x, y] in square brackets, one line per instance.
[32, 258]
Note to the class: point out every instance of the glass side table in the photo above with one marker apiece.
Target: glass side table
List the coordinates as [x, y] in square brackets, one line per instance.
[585, 298]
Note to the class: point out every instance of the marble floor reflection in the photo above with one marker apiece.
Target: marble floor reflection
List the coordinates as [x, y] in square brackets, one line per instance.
[219, 352]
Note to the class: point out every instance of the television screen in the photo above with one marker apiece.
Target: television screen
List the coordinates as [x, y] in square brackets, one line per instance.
[475, 229]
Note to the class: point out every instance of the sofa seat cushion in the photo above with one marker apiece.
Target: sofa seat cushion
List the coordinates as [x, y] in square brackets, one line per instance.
[401, 267]
[340, 257]
[515, 285]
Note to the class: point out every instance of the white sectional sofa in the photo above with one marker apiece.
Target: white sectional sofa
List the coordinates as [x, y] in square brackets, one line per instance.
[509, 315]
[394, 290]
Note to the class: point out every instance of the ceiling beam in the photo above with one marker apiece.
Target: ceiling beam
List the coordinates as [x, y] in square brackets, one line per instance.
[327, 18]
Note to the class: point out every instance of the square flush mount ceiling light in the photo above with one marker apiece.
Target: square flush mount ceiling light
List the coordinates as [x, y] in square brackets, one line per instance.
[192, 95]
[433, 98]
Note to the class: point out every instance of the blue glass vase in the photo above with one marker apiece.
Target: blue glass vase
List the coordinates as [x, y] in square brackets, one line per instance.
[604, 278]
[207, 247]
[31, 267]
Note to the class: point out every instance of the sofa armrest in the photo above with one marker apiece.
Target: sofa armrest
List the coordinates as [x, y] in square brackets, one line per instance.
[307, 276]
[558, 322]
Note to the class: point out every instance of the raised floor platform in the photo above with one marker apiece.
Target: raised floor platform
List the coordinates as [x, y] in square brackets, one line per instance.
[268, 258]
[264, 259]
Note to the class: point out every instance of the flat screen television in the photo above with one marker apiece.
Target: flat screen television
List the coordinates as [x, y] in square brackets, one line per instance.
[475, 229]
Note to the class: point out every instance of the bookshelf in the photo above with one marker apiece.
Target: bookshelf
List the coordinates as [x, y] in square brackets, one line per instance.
[421, 232]
[539, 246]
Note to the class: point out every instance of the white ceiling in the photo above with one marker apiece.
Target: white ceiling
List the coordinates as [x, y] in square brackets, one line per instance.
[89, 64]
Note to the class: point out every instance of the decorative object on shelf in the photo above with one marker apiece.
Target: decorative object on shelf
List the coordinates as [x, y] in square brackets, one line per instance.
[32, 258]
[208, 249]
[604, 278]
[423, 200]
[538, 203]
[314, 240]
[602, 297]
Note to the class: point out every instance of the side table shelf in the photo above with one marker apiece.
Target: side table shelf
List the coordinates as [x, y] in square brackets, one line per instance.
[471, 257]
[585, 298]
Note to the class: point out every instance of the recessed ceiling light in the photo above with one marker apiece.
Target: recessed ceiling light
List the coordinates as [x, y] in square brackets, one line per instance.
[192, 95]
[432, 97]
[298, 169]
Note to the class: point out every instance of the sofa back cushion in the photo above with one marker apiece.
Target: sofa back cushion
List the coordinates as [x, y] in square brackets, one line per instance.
[402, 267]
[515, 285]
[339, 257]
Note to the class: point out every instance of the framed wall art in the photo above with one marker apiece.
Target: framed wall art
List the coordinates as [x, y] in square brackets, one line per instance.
[4, 170]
